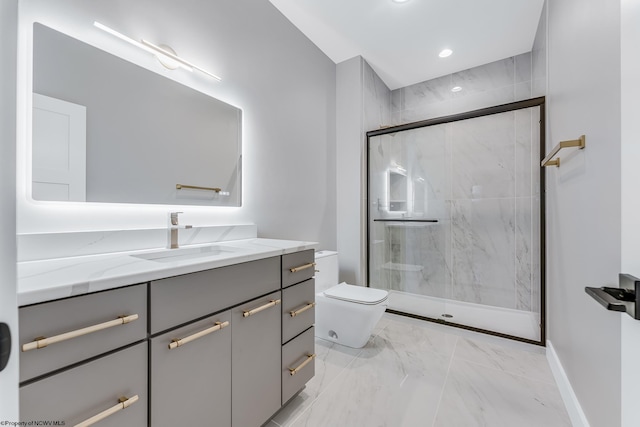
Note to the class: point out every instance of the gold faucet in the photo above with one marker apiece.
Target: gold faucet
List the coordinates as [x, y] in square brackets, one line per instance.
[172, 230]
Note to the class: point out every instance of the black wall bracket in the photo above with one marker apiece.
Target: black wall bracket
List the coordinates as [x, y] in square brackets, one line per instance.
[625, 298]
[5, 345]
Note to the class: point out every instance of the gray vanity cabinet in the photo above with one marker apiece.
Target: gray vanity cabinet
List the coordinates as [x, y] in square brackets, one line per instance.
[221, 347]
[191, 374]
[256, 349]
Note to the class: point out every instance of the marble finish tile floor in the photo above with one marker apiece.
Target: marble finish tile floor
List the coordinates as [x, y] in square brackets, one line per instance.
[418, 374]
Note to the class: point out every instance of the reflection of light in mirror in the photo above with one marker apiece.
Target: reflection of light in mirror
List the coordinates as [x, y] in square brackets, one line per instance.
[399, 167]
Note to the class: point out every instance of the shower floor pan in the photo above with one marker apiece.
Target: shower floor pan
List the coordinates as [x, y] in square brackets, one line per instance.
[516, 323]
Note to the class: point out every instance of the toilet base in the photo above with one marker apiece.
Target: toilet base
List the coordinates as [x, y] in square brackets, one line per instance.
[346, 323]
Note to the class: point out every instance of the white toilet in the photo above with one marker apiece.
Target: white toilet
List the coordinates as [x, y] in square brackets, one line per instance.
[345, 314]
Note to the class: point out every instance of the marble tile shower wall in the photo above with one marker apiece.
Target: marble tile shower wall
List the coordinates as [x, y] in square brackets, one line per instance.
[496, 83]
[479, 183]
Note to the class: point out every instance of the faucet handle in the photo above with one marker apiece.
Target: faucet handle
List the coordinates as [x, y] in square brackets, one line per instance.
[173, 217]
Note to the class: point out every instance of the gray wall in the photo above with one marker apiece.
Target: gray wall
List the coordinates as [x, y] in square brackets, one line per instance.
[630, 85]
[349, 170]
[539, 57]
[362, 104]
[8, 302]
[583, 199]
[283, 82]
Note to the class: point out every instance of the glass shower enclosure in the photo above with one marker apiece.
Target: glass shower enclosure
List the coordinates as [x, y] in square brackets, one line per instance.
[455, 226]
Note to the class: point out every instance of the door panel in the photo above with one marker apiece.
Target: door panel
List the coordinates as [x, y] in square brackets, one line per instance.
[59, 148]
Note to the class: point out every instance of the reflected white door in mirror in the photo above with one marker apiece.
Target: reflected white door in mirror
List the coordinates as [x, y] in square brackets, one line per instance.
[59, 149]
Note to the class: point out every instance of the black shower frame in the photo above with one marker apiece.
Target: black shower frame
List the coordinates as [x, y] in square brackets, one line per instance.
[512, 106]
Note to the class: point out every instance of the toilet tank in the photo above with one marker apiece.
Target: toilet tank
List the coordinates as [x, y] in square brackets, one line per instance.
[326, 270]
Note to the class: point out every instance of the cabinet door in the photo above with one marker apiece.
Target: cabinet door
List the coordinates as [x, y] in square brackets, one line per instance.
[92, 390]
[256, 364]
[191, 383]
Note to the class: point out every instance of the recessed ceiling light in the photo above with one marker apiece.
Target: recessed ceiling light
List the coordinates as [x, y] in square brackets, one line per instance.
[456, 89]
[445, 53]
[400, 1]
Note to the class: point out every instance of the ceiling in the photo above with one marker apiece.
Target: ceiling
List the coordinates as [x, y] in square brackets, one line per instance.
[402, 41]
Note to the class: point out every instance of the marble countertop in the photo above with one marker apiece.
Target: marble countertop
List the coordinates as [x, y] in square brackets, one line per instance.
[46, 280]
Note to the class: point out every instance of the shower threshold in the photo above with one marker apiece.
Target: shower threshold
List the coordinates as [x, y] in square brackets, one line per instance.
[517, 324]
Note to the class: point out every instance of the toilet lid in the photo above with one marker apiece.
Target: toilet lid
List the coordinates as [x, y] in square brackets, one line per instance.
[357, 294]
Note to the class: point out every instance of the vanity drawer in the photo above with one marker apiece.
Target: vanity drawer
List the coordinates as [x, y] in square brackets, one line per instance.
[80, 393]
[297, 267]
[298, 309]
[298, 364]
[75, 315]
[178, 300]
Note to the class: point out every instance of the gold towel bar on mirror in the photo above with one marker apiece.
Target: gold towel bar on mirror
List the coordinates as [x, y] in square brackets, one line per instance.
[195, 187]
[580, 143]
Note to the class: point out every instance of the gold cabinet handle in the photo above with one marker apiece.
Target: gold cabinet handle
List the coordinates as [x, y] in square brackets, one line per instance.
[303, 309]
[123, 403]
[302, 267]
[272, 303]
[42, 342]
[309, 358]
[182, 341]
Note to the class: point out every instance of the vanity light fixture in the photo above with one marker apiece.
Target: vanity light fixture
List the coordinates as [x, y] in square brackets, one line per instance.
[165, 54]
[445, 53]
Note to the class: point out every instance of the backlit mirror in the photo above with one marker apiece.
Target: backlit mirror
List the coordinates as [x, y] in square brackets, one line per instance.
[107, 130]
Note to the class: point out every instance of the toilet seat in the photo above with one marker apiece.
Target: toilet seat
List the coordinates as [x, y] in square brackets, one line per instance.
[357, 294]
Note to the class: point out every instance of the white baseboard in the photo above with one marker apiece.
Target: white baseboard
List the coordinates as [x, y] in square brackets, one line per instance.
[577, 416]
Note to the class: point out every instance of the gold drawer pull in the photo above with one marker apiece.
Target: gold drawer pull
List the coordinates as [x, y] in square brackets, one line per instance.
[272, 303]
[303, 309]
[42, 342]
[182, 341]
[302, 267]
[123, 403]
[309, 358]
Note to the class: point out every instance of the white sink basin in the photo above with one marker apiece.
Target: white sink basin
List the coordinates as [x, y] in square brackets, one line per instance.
[182, 254]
